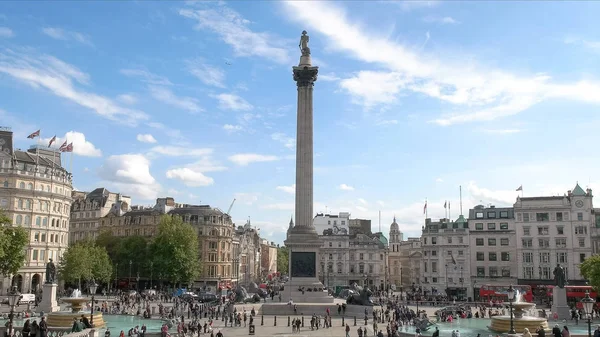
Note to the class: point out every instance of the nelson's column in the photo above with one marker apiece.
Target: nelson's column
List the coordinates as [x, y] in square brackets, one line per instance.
[303, 241]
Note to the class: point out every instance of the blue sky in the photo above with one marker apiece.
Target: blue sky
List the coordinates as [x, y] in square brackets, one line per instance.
[414, 99]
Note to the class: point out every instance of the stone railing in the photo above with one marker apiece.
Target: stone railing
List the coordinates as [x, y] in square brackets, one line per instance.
[56, 332]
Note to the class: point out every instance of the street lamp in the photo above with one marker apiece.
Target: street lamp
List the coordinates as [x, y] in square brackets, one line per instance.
[116, 276]
[93, 287]
[151, 270]
[588, 308]
[13, 299]
[129, 281]
[511, 296]
[137, 281]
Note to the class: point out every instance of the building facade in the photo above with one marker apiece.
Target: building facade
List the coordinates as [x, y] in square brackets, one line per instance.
[446, 264]
[551, 231]
[88, 210]
[268, 258]
[404, 261]
[35, 192]
[249, 254]
[493, 242]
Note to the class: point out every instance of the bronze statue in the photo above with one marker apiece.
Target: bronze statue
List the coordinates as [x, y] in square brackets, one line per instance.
[50, 272]
[304, 44]
[360, 295]
[560, 279]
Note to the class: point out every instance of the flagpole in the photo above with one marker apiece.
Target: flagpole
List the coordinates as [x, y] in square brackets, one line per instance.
[460, 187]
[71, 164]
[426, 210]
[521, 190]
[449, 216]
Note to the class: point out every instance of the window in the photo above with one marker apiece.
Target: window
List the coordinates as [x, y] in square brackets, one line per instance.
[527, 243]
[34, 255]
[543, 230]
[542, 216]
[580, 230]
[434, 279]
[491, 215]
[581, 242]
[212, 257]
[330, 256]
[559, 216]
[581, 257]
[560, 230]
[561, 257]
[450, 280]
[330, 244]
[580, 216]
[433, 253]
[449, 253]
[479, 215]
[361, 256]
[434, 267]
[526, 217]
[504, 242]
[480, 271]
[449, 239]
[493, 271]
[526, 231]
[434, 240]
[480, 256]
[460, 239]
[528, 272]
[544, 243]
[491, 226]
[505, 271]
[504, 214]
[544, 257]
[528, 257]
[561, 242]
[479, 226]
[491, 242]
[22, 185]
[479, 242]
[212, 245]
[503, 225]
[460, 253]
[505, 256]
[19, 219]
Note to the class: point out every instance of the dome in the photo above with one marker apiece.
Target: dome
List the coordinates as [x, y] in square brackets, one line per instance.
[394, 226]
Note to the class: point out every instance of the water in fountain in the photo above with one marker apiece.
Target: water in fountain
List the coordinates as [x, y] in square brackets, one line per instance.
[522, 317]
[76, 293]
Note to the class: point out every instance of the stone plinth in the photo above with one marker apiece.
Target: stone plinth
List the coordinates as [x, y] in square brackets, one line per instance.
[49, 303]
[559, 303]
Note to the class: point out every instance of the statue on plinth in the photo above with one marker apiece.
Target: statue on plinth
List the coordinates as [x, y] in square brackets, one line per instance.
[560, 279]
[50, 272]
[304, 44]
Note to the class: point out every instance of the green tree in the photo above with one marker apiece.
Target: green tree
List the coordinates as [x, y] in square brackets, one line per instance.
[283, 260]
[85, 261]
[121, 250]
[175, 250]
[13, 241]
[590, 269]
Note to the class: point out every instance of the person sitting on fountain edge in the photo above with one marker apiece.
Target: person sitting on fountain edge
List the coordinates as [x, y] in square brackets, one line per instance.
[86, 322]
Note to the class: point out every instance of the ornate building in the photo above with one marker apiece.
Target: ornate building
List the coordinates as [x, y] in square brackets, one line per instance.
[268, 258]
[249, 254]
[88, 209]
[35, 192]
[404, 259]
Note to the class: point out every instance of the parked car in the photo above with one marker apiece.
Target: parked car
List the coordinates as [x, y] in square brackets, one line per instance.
[207, 297]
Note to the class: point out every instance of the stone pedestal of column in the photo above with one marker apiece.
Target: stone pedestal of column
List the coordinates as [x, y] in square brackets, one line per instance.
[559, 303]
[49, 303]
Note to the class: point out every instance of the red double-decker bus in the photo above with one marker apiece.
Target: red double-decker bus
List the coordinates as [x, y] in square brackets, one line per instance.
[575, 294]
[500, 292]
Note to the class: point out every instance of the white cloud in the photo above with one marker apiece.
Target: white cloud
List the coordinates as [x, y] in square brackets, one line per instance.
[345, 187]
[480, 93]
[501, 131]
[6, 32]
[58, 77]
[329, 77]
[233, 29]
[127, 99]
[81, 146]
[232, 128]
[445, 20]
[209, 75]
[233, 102]
[286, 141]
[146, 138]
[130, 175]
[363, 201]
[483, 195]
[279, 206]
[439, 180]
[66, 35]
[243, 159]
[287, 189]
[592, 45]
[146, 76]
[386, 122]
[168, 97]
[246, 198]
[178, 151]
[190, 177]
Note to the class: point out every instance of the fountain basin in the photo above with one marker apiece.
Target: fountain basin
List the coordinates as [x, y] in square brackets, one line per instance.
[520, 321]
[64, 319]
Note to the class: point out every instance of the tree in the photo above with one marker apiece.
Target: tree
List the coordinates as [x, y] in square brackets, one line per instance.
[283, 260]
[175, 250]
[121, 250]
[85, 261]
[590, 269]
[13, 241]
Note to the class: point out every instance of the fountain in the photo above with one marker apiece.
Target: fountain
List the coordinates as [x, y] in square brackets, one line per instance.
[520, 320]
[64, 319]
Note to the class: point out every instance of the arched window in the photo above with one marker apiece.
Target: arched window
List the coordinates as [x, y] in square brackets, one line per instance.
[53, 222]
[30, 186]
[19, 219]
[48, 188]
[38, 221]
[20, 204]
[27, 220]
[28, 203]
[21, 185]
[45, 222]
[6, 183]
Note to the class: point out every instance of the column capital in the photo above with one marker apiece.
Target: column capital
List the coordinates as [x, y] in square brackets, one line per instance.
[305, 76]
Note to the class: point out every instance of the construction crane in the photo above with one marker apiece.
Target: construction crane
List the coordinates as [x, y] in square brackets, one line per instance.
[230, 206]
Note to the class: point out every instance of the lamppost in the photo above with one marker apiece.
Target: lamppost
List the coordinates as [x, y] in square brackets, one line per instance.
[137, 281]
[151, 270]
[160, 281]
[13, 299]
[511, 296]
[93, 287]
[129, 280]
[366, 278]
[588, 308]
[117, 276]
[447, 289]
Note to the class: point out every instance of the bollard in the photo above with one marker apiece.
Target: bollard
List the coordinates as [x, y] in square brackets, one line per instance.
[303, 321]
[354, 320]
[275, 321]
[343, 321]
[289, 320]
[262, 320]
[251, 329]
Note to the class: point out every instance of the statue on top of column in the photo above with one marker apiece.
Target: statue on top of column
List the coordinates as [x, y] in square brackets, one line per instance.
[304, 44]
[560, 278]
